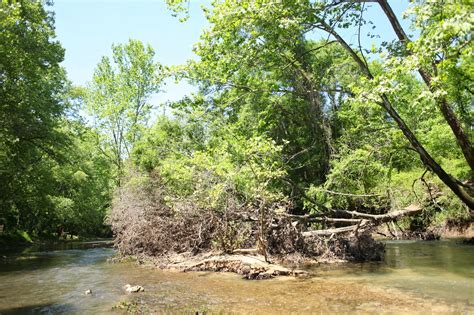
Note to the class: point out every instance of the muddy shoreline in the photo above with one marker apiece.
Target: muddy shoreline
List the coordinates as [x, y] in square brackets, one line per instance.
[253, 266]
[250, 266]
[430, 234]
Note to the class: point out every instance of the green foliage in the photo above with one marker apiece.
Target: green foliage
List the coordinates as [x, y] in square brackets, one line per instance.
[357, 172]
[14, 237]
[84, 183]
[50, 178]
[257, 76]
[204, 167]
[118, 95]
[280, 118]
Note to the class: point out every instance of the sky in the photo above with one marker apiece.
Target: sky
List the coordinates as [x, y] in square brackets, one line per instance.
[88, 28]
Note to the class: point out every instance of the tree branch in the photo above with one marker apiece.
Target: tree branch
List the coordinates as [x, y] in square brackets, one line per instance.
[446, 109]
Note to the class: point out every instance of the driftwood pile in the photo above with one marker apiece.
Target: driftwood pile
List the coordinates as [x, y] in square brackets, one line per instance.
[250, 265]
[351, 239]
[358, 222]
[147, 225]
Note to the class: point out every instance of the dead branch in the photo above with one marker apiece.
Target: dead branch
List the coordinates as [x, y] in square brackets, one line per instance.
[380, 218]
[319, 218]
[365, 220]
[340, 230]
[349, 195]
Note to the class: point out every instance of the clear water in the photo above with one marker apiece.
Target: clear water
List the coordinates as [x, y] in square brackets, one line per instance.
[415, 278]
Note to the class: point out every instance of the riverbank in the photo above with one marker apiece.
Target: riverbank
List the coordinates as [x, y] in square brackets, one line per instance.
[248, 264]
[44, 244]
[458, 232]
[446, 231]
[15, 238]
[252, 266]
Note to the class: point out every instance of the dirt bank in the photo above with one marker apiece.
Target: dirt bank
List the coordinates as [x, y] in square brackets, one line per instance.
[457, 232]
[432, 233]
[250, 265]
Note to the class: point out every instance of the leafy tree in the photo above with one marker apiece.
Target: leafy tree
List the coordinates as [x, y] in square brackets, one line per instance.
[31, 106]
[242, 32]
[117, 98]
[428, 61]
[51, 178]
[270, 79]
[82, 184]
[290, 115]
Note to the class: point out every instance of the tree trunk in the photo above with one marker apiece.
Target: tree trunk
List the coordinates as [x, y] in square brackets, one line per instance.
[449, 180]
[386, 104]
[446, 109]
[310, 93]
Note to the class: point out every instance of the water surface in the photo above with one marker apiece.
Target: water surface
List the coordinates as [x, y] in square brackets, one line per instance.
[416, 277]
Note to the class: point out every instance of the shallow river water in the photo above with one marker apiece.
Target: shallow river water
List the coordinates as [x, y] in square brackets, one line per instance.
[415, 278]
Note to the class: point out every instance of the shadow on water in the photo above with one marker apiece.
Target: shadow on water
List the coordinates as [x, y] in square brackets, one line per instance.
[40, 309]
[431, 258]
[415, 276]
[49, 255]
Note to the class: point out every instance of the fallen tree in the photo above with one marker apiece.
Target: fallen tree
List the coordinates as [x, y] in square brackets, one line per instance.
[362, 221]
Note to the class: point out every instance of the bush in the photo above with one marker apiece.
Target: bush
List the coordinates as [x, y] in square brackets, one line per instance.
[147, 220]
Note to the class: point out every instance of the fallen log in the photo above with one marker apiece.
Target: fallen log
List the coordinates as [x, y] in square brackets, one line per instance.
[381, 218]
[319, 218]
[354, 215]
[349, 195]
[335, 220]
[366, 220]
[358, 220]
[252, 267]
[329, 232]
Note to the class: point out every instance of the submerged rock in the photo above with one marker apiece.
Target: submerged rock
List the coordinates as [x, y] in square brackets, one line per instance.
[133, 288]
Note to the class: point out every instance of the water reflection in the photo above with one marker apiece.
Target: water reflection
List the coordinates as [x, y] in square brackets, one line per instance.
[442, 270]
[414, 278]
[432, 257]
[45, 256]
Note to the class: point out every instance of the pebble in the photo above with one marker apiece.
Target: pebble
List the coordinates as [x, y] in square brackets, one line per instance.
[133, 288]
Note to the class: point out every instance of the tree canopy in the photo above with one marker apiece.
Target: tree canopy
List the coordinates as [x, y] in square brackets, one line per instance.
[50, 178]
[118, 98]
[303, 109]
[292, 117]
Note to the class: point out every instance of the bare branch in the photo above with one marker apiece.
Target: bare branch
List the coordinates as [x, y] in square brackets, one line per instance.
[349, 195]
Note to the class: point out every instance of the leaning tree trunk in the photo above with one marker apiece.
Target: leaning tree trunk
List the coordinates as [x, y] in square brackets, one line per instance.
[446, 109]
[425, 157]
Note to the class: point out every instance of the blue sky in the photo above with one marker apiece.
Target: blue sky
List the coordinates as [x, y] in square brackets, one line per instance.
[87, 29]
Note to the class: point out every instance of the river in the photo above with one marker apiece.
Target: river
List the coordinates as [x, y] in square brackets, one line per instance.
[415, 278]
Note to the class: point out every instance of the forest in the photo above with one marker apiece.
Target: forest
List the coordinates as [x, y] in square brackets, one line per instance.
[309, 132]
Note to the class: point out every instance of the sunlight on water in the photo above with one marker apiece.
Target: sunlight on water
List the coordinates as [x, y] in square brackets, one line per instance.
[416, 277]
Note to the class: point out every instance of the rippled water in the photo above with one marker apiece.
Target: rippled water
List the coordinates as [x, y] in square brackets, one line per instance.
[416, 277]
